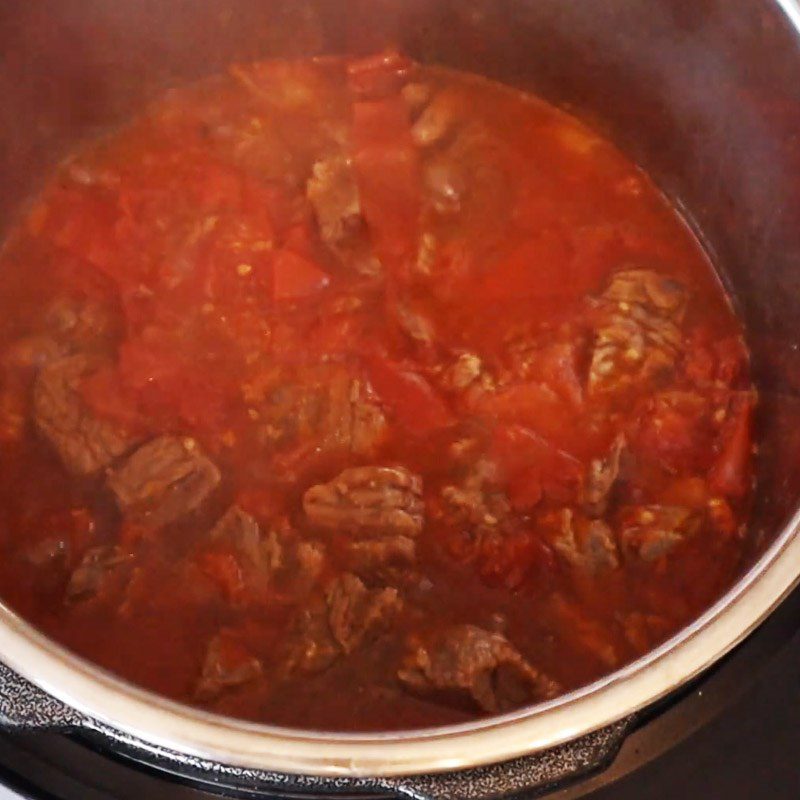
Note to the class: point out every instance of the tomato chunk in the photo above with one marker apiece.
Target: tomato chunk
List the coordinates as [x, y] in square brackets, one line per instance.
[730, 474]
[388, 176]
[533, 466]
[413, 400]
[295, 276]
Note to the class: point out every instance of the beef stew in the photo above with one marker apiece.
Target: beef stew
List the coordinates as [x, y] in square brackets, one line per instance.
[367, 395]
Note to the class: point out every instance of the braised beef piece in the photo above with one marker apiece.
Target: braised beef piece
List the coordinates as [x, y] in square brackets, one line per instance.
[368, 501]
[79, 324]
[311, 646]
[97, 565]
[163, 480]
[70, 326]
[306, 565]
[323, 404]
[33, 353]
[240, 530]
[227, 663]
[333, 194]
[651, 531]
[637, 334]
[259, 555]
[468, 663]
[346, 618]
[477, 503]
[370, 555]
[355, 612]
[84, 442]
[601, 477]
[587, 544]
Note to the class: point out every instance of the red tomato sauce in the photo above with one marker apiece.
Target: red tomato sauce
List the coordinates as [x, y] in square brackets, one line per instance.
[299, 269]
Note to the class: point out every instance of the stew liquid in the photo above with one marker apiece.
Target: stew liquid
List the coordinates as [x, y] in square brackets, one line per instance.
[356, 394]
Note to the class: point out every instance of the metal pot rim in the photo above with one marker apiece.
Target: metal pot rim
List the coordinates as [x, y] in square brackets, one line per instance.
[167, 724]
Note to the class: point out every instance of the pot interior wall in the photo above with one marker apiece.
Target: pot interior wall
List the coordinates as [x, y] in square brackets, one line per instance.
[704, 94]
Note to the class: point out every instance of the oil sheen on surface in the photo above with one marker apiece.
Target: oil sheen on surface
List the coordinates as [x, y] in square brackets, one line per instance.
[364, 395]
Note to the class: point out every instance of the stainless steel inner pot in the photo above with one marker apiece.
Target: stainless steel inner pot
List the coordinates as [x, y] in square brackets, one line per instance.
[704, 94]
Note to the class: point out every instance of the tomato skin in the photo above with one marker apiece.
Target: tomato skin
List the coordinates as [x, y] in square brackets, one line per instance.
[378, 75]
[294, 276]
[510, 560]
[412, 399]
[388, 174]
[730, 474]
[224, 570]
[534, 467]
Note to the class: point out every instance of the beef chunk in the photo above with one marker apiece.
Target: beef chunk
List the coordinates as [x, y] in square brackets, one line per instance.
[260, 555]
[354, 420]
[84, 442]
[637, 333]
[462, 373]
[477, 504]
[467, 662]
[368, 501]
[322, 403]
[601, 477]
[97, 565]
[237, 528]
[83, 325]
[227, 663]
[368, 555]
[437, 121]
[415, 325]
[356, 612]
[163, 480]
[651, 531]
[366, 424]
[309, 563]
[33, 353]
[311, 646]
[333, 194]
[586, 543]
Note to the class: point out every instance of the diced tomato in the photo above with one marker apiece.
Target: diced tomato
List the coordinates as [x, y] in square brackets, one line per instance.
[721, 516]
[295, 276]
[557, 366]
[218, 187]
[730, 474]
[509, 560]
[378, 75]
[224, 570]
[87, 224]
[388, 175]
[525, 488]
[675, 431]
[412, 399]
[536, 406]
[533, 466]
[731, 359]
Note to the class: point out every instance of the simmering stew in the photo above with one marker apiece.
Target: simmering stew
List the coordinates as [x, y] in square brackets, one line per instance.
[356, 394]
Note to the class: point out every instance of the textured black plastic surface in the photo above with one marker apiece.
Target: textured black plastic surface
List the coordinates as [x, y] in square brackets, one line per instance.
[24, 705]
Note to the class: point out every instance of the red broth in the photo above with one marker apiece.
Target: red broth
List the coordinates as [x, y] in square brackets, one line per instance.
[364, 395]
